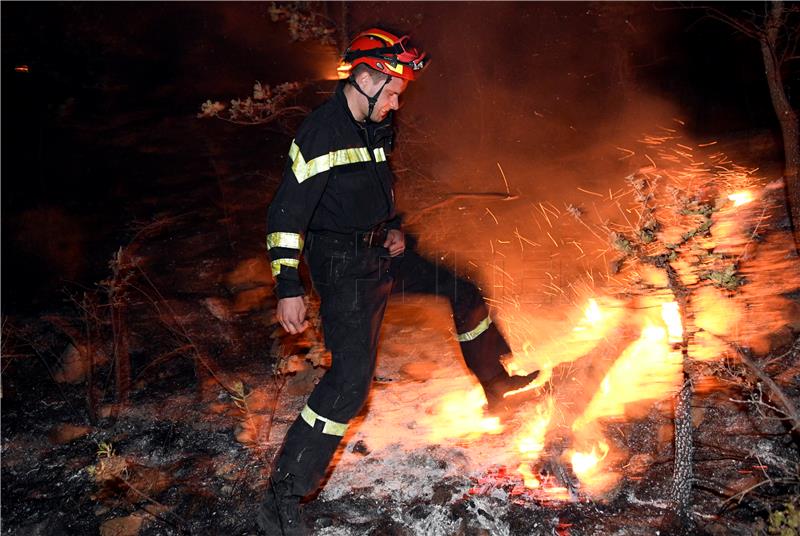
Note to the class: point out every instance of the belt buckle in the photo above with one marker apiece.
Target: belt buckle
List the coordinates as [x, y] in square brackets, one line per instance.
[368, 238]
[375, 237]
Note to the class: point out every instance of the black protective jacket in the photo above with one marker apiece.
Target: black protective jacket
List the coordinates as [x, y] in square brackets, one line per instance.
[336, 180]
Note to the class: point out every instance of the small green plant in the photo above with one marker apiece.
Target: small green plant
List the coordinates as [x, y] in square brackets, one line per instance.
[305, 21]
[105, 450]
[784, 522]
[701, 230]
[239, 396]
[699, 209]
[249, 427]
[622, 244]
[726, 278]
[108, 463]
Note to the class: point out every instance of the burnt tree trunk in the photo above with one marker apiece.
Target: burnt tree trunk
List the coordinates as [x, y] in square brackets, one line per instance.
[119, 327]
[339, 21]
[89, 311]
[342, 28]
[679, 520]
[787, 117]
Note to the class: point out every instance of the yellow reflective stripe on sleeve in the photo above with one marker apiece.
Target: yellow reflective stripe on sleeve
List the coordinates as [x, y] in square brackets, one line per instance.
[277, 263]
[343, 157]
[473, 334]
[380, 156]
[284, 240]
[305, 170]
[330, 428]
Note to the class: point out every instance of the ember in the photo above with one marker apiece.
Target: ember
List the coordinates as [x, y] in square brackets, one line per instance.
[649, 368]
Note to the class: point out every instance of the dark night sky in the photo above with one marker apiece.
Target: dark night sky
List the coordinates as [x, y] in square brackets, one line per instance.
[527, 83]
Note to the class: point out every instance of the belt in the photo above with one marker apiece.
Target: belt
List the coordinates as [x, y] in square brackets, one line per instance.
[373, 238]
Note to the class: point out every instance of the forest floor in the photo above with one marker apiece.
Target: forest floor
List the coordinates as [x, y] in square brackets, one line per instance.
[188, 455]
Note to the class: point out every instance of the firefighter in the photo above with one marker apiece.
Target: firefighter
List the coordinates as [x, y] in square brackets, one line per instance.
[335, 204]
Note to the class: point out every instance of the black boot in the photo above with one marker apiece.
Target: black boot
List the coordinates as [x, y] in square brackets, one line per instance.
[496, 388]
[279, 514]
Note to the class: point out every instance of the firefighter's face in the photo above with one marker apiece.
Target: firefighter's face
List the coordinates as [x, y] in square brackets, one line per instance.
[389, 98]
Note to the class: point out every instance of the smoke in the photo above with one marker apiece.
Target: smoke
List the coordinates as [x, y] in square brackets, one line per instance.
[540, 102]
[528, 85]
[532, 100]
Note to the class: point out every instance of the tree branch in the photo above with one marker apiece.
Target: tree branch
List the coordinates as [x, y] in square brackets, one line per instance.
[747, 28]
[780, 396]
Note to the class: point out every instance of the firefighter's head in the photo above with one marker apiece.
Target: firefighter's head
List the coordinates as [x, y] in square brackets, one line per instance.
[380, 93]
[379, 65]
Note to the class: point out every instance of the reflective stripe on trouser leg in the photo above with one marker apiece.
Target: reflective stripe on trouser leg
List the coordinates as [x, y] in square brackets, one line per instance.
[330, 427]
[305, 454]
[482, 352]
[473, 334]
[483, 345]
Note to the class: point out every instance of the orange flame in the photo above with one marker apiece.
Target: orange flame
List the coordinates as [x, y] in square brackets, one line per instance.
[528, 477]
[460, 415]
[741, 198]
[530, 443]
[671, 315]
[585, 464]
[343, 70]
[599, 318]
[648, 369]
[592, 315]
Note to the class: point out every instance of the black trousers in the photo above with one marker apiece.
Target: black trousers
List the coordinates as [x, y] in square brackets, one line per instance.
[354, 284]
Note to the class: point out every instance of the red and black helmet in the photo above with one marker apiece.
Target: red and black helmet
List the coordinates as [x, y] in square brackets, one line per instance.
[384, 52]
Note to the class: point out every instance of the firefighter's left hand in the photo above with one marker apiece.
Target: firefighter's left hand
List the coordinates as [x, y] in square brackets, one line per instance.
[395, 242]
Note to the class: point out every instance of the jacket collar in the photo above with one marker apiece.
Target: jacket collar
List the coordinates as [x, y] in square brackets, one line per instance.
[341, 100]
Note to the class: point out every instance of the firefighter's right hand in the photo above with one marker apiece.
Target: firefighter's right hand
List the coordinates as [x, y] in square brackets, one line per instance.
[291, 314]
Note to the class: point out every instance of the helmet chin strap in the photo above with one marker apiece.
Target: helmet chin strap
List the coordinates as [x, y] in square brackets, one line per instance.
[373, 99]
